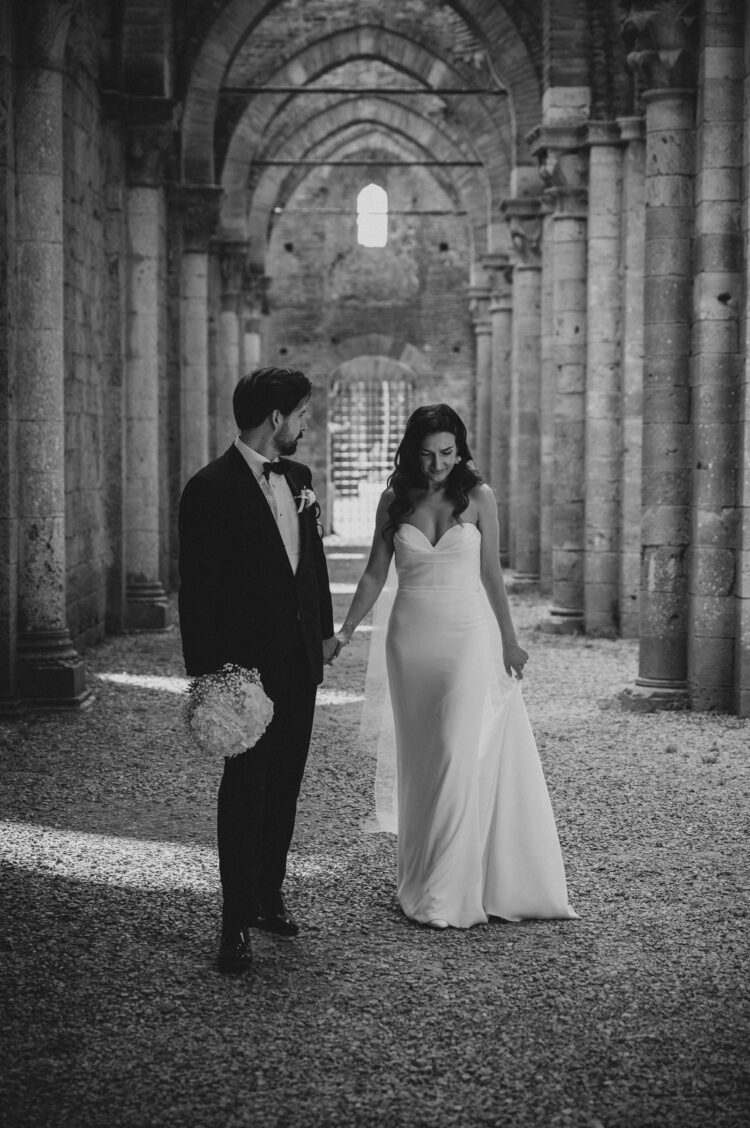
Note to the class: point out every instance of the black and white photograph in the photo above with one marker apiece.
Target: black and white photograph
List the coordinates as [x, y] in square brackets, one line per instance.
[375, 563]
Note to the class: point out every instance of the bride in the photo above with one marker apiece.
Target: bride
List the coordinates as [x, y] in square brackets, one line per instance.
[476, 832]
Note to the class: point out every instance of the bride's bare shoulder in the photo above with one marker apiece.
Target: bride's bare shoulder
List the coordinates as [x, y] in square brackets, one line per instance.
[482, 495]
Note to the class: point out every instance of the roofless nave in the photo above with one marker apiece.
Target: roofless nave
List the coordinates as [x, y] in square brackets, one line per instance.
[565, 261]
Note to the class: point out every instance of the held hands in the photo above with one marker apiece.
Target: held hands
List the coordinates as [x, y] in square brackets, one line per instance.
[514, 659]
[331, 648]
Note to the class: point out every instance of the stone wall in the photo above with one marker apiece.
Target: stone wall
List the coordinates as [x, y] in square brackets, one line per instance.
[8, 472]
[88, 541]
[327, 293]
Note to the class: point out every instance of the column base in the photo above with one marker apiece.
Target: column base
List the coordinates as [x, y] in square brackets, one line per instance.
[652, 695]
[10, 708]
[146, 607]
[523, 581]
[563, 620]
[51, 672]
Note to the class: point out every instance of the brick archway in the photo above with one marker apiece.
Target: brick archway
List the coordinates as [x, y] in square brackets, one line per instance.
[326, 136]
[267, 119]
[513, 56]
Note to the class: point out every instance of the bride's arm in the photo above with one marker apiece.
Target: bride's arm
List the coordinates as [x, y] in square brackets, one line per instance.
[374, 575]
[514, 656]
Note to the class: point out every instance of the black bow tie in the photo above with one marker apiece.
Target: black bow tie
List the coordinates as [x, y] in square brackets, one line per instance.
[272, 468]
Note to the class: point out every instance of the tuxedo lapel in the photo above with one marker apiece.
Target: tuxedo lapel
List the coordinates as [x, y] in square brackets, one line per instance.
[257, 517]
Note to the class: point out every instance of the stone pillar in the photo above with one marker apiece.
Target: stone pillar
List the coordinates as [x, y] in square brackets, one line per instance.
[742, 622]
[500, 312]
[232, 260]
[548, 379]
[633, 134]
[146, 606]
[564, 169]
[662, 39]
[8, 417]
[479, 304]
[200, 208]
[717, 361]
[524, 221]
[50, 671]
[254, 307]
[603, 318]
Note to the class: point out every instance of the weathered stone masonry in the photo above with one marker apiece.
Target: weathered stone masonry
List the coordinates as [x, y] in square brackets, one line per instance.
[567, 265]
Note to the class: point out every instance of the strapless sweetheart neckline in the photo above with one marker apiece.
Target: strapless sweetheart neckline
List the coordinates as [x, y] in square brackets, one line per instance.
[426, 539]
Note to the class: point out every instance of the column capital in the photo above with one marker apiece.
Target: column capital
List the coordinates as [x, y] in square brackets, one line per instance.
[233, 256]
[632, 128]
[198, 206]
[603, 133]
[254, 289]
[479, 303]
[563, 157]
[661, 37]
[150, 133]
[499, 270]
[524, 218]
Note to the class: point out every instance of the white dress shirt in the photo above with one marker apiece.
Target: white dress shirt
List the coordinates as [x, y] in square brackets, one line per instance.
[279, 497]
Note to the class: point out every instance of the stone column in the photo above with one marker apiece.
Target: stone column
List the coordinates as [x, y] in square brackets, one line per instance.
[717, 361]
[479, 304]
[564, 168]
[633, 134]
[742, 622]
[146, 606]
[232, 260]
[662, 42]
[603, 318]
[548, 380]
[254, 307]
[8, 407]
[50, 671]
[200, 208]
[524, 221]
[500, 274]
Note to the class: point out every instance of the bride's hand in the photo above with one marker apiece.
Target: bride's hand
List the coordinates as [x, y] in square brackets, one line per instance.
[343, 639]
[514, 659]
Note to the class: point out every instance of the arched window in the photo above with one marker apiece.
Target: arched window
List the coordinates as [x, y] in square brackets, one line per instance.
[372, 216]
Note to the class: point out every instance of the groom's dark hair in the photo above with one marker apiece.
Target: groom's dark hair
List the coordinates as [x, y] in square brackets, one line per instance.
[267, 390]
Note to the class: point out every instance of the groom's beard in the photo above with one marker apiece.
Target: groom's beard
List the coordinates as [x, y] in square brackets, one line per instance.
[285, 441]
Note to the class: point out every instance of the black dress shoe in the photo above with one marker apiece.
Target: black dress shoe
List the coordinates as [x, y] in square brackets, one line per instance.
[234, 951]
[275, 917]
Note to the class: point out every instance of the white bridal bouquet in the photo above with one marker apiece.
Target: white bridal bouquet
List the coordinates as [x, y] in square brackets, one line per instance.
[228, 712]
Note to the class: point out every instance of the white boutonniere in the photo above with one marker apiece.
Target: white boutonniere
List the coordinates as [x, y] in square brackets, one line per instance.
[305, 499]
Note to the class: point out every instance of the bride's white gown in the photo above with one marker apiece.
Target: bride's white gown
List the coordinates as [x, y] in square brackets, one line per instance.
[476, 832]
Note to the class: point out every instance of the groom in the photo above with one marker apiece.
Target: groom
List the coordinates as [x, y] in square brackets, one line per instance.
[254, 591]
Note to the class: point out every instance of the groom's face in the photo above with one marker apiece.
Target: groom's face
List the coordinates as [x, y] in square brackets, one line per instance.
[291, 429]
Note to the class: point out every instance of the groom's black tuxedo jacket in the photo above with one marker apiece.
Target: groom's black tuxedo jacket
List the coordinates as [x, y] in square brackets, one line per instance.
[239, 599]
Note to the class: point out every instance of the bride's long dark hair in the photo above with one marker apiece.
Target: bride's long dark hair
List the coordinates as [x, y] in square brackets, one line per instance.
[408, 474]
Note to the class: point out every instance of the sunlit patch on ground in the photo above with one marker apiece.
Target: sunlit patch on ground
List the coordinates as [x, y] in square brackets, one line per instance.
[131, 863]
[338, 697]
[147, 681]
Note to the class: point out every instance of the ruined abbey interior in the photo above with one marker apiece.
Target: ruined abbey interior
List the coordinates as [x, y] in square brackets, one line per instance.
[535, 210]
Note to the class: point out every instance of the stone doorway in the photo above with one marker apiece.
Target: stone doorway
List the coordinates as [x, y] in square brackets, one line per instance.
[371, 398]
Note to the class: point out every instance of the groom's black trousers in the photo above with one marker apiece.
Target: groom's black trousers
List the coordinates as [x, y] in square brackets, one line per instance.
[258, 801]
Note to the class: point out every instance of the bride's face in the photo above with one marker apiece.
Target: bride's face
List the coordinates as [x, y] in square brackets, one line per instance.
[437, 456]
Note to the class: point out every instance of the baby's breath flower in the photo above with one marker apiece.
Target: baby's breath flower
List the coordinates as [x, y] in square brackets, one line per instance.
[228, 712]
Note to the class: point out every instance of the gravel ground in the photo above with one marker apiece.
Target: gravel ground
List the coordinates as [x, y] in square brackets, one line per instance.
[635, 1015]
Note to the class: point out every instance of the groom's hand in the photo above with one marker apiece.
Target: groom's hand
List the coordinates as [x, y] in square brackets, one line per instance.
[331, 648]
